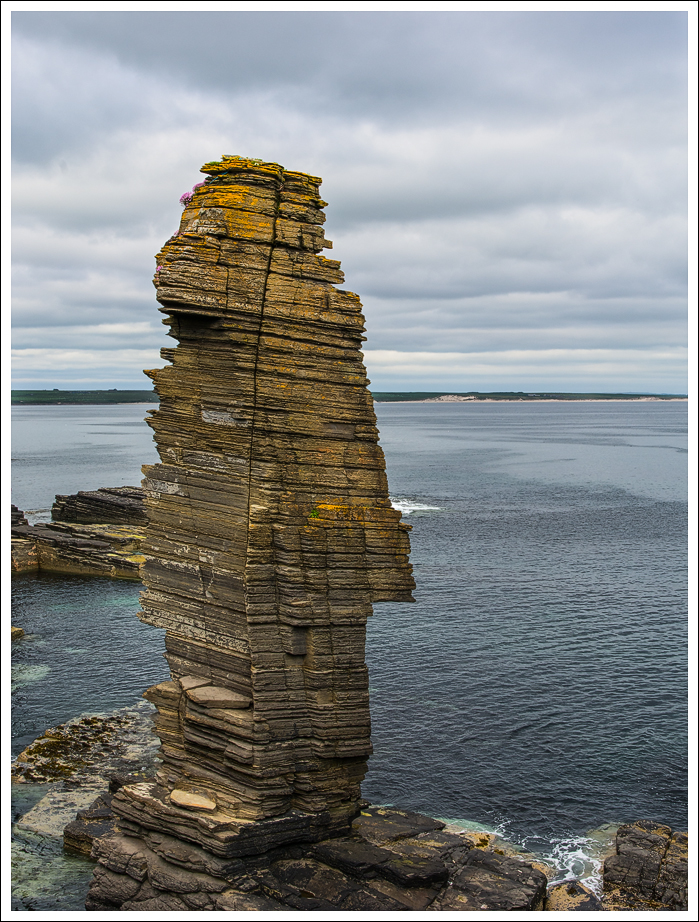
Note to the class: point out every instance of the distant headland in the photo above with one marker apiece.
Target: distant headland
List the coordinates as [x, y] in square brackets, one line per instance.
[57, 397]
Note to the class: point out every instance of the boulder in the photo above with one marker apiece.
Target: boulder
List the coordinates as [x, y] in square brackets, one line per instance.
[649, 869]
[572, 896]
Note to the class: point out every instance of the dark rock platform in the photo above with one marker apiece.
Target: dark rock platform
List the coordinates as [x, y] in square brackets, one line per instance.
[108, 505]
[393, 861]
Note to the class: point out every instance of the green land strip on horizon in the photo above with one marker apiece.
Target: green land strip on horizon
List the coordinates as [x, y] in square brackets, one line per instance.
[58, 397]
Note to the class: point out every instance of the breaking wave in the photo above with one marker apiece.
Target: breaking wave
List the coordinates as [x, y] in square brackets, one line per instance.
[575, 857]
[408, 506]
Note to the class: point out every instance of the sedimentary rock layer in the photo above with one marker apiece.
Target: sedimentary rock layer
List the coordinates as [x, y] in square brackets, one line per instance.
[108, 505]
[270, 528]
[17, 518]
[111, 550]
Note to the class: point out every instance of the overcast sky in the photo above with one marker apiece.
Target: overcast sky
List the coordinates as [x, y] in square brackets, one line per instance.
[507, 190]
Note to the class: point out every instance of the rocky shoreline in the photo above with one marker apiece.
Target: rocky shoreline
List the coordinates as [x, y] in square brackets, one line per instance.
[391, 860]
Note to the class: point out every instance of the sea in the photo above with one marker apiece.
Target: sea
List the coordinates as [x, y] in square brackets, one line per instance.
[537, 686]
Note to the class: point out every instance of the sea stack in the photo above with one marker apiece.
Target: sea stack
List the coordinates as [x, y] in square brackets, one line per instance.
[270, 531]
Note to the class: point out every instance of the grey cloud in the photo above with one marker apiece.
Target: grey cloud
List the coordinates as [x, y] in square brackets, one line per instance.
[388, 67]
[476, 173]
[532, 321]
[61, 100]
[491, 177]
[399, 58]
[462, 338]
[100, 335]
[78, 294]
[597, 253]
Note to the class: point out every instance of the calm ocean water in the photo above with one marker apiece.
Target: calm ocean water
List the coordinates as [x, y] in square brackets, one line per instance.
[537, 685]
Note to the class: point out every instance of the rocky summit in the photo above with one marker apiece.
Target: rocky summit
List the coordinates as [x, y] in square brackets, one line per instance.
[270, 532]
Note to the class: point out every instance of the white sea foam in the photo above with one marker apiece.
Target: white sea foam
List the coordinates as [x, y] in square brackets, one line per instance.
[408, 506]
[462, 825]
[37, 516]
[580, 857]
[570, 858]
[574, 859]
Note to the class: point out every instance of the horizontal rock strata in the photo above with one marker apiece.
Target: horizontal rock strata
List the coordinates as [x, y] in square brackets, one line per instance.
[81, 546]
[108, 505]
[17, 517]
[391, 861]
[270, 531]
[24, 554]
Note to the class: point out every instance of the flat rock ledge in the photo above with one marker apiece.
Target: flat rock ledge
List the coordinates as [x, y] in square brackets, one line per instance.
[107, 505]
[82, 544]
[392, 861]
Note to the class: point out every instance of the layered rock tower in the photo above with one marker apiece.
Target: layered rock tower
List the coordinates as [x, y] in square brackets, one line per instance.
[270, 528]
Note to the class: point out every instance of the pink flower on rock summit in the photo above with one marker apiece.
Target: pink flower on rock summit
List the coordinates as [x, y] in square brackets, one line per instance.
[188, 196]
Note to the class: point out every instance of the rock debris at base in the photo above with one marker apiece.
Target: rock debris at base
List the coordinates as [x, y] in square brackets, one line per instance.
[391, 856]
[393, 860]
[91, 749]
[572, 896]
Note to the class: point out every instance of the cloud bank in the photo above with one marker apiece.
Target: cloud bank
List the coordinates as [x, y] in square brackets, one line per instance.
[507, 190]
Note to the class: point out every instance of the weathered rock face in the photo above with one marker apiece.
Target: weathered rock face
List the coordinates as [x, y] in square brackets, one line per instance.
[18, 517]
[270, 529]
[649, 870]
